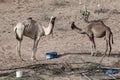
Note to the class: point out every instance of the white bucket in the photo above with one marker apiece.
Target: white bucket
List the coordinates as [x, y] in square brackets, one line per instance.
[18, 74]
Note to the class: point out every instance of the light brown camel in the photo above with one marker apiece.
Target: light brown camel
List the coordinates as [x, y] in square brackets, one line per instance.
[32, 29]
[96, 29]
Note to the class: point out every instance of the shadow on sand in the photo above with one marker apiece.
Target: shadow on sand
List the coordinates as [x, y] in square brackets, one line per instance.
[116, 55]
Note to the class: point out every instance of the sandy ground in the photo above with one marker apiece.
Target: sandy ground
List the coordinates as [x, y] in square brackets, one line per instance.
[72, 47]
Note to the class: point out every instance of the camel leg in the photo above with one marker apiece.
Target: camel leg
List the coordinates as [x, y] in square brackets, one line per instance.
[18, 49]
[106, 47]
[92, 49]
[108, 43]
[109, 46]
[93, 46]
[36, 41]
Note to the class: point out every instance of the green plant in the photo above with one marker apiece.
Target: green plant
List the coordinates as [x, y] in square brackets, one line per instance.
[85, 14]
[115, 11]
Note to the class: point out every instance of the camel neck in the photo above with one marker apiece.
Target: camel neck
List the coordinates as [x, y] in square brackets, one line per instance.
[48, 29]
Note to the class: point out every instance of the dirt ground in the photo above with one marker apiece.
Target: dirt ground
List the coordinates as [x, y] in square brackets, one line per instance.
[73, 48]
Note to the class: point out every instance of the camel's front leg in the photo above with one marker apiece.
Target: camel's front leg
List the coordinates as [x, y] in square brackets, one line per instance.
[93, 46]
[36, 41]
[18, 50]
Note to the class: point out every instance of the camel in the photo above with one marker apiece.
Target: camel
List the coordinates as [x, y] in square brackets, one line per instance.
[96, 29]
[32, 29]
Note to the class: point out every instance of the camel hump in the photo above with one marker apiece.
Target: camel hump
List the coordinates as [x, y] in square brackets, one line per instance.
[29, 21]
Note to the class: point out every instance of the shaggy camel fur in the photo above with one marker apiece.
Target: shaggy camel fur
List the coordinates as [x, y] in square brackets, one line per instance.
[96, 29]
[32, 29]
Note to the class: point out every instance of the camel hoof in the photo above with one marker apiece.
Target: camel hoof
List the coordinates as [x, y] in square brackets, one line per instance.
[104, 55]
[34, 59]
[108, 55]
[92, 54]
[22, 59]
[95, 54]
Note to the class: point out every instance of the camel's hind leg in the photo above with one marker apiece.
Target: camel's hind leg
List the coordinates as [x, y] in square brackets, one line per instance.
[108, 43]
[18, 49]
[106, 47]
[110, 47]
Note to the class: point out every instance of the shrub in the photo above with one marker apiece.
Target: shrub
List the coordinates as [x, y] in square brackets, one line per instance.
[58, 3]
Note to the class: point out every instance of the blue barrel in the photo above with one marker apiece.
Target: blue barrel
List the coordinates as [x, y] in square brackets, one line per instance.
[110, 71]
[51, 55]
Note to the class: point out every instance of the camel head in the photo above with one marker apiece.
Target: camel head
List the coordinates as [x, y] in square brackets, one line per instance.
[49, 30]
[52, 19]
[73, 26]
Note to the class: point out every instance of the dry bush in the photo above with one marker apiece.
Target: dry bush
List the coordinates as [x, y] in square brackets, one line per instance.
[59, 3]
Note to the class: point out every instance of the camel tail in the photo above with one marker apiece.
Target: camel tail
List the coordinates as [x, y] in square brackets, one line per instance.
[17, 37]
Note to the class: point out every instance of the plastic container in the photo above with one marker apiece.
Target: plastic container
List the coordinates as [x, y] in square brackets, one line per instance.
[19, 74]
[51, 55]
[110, 71]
